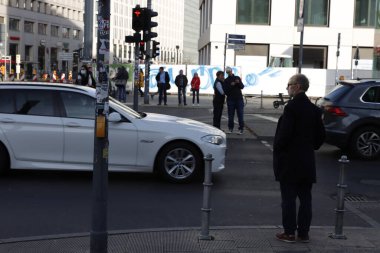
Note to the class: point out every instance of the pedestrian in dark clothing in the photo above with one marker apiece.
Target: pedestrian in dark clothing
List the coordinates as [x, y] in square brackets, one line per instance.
[299, 132]
[232, 88]
[163, 82]
[121, 79]
[181, 83]
[85, 77]
[219, 98]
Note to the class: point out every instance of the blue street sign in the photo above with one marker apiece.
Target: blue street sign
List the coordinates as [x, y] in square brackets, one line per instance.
[236, 36]
[236, 41]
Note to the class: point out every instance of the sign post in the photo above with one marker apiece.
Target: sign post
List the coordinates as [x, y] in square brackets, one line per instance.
[300, 28]
[233, 41]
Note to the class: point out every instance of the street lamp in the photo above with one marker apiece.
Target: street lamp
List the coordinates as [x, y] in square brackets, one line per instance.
[177, 47]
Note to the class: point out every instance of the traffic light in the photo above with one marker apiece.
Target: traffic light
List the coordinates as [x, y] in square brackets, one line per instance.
[155, 49]
[149, 24]
[141, 50]
[138, 18]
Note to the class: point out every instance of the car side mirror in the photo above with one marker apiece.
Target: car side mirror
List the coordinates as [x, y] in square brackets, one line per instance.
[114, 117]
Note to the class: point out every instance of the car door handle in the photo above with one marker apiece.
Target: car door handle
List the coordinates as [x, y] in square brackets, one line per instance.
[73, 124]
[7, 120]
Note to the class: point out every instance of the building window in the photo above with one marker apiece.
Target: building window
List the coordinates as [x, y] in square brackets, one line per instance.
[125, 52]
[28, 27]
[42, 29]
[365, 57]
[28, 53]
[54, 58]
[54, 30]
[76, 34]
[14, 24]
[313, 57]
[253, 12]
[65, 32]
[315, 12]
[365, 13]
[120, 52]
[257, 54]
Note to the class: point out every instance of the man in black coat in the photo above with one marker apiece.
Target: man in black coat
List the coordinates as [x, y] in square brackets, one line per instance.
[181, 83]
[232, 88]
[218, 99]
[299, 132]
[163, 82]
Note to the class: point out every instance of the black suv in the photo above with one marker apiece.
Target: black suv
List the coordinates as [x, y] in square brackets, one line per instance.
[351, 114]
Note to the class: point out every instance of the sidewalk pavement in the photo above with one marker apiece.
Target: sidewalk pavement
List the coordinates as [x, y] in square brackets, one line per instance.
[260, 239]
[254, 103]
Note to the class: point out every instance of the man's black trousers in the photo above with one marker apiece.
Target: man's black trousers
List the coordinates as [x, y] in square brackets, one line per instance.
[292, 221]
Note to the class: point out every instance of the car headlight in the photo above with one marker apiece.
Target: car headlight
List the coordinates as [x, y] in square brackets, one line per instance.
[213, 139]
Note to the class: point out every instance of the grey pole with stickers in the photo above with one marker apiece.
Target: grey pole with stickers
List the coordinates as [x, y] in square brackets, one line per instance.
[99, 234]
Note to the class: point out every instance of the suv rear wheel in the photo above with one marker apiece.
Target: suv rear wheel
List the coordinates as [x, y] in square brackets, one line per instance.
[365, 143]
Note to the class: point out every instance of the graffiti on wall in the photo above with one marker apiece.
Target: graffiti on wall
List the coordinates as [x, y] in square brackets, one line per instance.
[268, 81]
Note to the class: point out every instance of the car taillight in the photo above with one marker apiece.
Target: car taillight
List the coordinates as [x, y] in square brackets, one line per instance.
[336, 110]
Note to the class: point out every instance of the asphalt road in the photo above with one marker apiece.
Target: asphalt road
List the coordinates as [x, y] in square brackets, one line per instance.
[36, 203]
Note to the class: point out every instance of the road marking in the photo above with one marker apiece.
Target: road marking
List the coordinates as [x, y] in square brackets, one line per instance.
[266, 144]
[273, 119]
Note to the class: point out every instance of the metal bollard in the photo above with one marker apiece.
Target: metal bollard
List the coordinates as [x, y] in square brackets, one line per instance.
[340, 201]
[261, 100]
[206, 209]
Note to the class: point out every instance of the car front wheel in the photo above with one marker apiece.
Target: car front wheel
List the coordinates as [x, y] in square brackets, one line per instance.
[179, 162]
[365, 143]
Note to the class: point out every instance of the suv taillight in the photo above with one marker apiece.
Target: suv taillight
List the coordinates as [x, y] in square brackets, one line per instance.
[336, 110]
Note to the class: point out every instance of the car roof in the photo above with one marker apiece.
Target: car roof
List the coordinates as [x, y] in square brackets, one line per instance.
[48, 84]
[360, 81]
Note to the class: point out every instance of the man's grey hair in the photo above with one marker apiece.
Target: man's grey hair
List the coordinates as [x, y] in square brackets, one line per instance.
[300, 79]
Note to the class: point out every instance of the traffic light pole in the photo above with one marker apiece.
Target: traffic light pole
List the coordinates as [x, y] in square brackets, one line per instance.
[88, 30]
[99, 235]
[147, 64]
[136, 80]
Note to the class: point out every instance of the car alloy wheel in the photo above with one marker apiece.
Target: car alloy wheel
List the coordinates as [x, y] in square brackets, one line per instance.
[179, 162]
[367, 143]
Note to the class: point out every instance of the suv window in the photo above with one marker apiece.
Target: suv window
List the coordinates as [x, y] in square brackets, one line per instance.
[338, 92]
[372, 95]
[27, 102]
[78, 105]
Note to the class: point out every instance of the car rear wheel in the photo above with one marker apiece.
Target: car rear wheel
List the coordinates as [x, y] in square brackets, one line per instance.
[179, 162]
[365, 143]
[4, 160]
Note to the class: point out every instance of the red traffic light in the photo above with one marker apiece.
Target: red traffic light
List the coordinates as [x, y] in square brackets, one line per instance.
[137, 13]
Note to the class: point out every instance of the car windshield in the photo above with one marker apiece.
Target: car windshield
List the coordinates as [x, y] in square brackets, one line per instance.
[125, 108]
[338, 92]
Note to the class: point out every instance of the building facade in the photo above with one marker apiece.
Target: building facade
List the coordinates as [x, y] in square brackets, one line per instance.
[41, 32]
[270, 27]
[191, 32]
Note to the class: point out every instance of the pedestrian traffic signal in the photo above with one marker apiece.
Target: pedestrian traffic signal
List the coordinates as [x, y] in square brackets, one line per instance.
[155, 49]
[138, 18]
[141, 50]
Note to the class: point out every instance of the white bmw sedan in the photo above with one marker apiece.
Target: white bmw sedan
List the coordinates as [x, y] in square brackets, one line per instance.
[51, 127]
